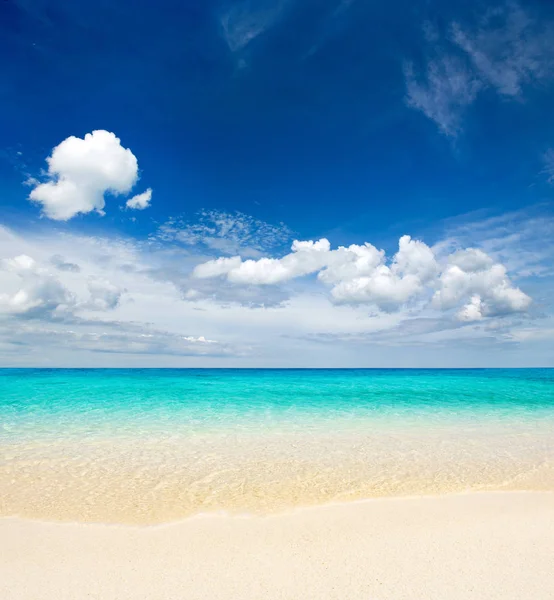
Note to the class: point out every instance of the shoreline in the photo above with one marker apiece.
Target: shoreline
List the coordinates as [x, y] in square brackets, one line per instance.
[285, 512]
[486, 545]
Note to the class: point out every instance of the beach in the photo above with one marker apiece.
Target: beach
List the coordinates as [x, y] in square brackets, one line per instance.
[480, 545]
[204, 484]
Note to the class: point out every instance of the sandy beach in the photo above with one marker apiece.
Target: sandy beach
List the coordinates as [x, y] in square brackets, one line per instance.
[479, 545]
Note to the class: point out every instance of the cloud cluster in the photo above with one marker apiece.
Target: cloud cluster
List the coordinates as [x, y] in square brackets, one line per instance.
[80, 173]
[75, 299]
[505, 51]
[38, 293]
[467, 279]
[106, 301]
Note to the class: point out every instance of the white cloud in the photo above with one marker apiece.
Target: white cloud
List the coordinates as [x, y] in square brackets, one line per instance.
[140, 201]
[36, 293]
[389, 287]
[81, 172]
[471, 260]
[217, 267]
[414, 258]
[472, 311]
[382, 288]
[472, 273]
[505, 50]
[198, 340]
[347, 263]
[361, 274]
[305, 258]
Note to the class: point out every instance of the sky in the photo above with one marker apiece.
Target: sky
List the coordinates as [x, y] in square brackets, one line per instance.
[276, 183]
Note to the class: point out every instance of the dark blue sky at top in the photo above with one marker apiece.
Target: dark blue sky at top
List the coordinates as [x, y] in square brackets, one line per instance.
[306, 124]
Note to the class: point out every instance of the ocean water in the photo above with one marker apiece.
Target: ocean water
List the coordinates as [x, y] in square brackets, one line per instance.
[149, 446]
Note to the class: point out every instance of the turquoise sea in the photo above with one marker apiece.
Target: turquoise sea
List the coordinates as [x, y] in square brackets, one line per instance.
[154, 445]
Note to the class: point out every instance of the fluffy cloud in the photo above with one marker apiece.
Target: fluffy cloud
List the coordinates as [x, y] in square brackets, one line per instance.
[38, 294]
[472, 311]
[471, 273]
[346, 263]
[305, 258]
[361, 274]
[140, 201]
[387, 286]
[217, 267]
[81, 172]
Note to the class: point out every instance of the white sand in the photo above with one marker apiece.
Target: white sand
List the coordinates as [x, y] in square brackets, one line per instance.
[478, 546]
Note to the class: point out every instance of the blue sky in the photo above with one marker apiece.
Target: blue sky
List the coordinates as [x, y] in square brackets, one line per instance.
[223, 132]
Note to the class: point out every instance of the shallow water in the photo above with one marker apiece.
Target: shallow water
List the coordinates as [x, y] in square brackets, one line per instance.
[156, 445]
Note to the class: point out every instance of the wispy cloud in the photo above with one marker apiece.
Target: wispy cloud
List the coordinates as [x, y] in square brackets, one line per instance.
[421, 332]
[548, 160]
[506, 50]
[519, 239]
[332, 24]
[109, 338]
[245, 21]
[446, 89]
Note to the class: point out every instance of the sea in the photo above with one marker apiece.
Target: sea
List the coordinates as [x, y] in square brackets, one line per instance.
[149, 446]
